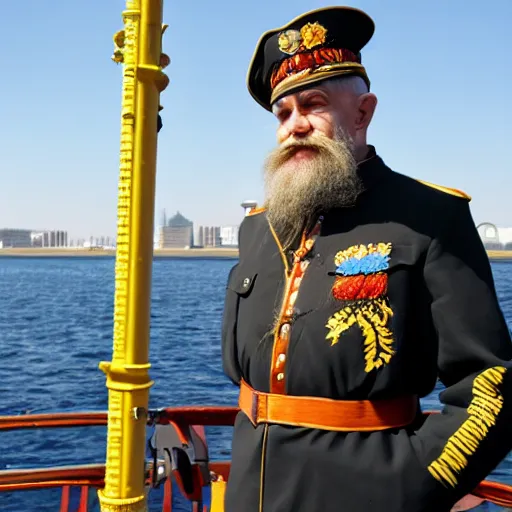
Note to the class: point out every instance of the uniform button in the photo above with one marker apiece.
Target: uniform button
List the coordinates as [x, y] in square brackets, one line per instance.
[280, 360]
[285, 329]
[246, 282]
[280, 376]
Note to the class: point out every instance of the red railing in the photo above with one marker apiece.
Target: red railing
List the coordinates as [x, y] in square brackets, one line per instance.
[206, 416]
[92, 475]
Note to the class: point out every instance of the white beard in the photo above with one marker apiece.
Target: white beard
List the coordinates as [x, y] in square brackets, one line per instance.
[296, 191]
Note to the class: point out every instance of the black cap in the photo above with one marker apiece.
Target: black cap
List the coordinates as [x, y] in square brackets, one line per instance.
[317, 45]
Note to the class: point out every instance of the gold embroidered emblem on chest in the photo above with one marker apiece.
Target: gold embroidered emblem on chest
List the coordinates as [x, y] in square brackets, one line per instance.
[361, 282]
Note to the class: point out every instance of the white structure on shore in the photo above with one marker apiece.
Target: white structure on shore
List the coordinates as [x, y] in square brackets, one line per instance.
[494, 237]
[249, 205]
[229, 236]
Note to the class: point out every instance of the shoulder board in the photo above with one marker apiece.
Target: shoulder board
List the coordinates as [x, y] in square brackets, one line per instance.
[255, 211]
[447, 190]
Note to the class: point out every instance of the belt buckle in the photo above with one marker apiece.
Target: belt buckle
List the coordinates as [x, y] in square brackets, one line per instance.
[254, 408]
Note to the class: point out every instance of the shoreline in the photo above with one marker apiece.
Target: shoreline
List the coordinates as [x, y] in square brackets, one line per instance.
[499, 255]
[94, 253]
[231, 253]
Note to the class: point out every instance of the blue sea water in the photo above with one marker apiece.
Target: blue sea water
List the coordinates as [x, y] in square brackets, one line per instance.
[56, 325]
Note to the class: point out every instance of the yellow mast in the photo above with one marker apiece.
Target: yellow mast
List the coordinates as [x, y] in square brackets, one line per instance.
[138, 47]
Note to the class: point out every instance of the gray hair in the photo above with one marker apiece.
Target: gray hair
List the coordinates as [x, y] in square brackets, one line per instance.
[352, 84]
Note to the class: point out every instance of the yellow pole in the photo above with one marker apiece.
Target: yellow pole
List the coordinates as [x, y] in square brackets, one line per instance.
[138, 47]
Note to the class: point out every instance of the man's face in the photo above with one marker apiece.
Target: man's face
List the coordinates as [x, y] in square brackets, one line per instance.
[322, 115]
[315, 111]
[313, 167]
[305, 112]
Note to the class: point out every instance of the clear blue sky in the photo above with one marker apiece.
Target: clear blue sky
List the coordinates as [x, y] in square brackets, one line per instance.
[442, 71]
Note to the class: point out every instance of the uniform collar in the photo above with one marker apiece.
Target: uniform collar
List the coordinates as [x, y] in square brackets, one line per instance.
[372, 169]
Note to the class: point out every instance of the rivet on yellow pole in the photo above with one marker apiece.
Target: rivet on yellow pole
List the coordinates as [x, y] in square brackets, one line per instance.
[138, 48]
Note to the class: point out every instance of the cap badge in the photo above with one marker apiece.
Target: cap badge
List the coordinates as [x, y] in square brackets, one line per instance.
[309, 36]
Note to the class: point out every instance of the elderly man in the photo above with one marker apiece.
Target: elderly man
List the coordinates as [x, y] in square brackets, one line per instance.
[356, 288]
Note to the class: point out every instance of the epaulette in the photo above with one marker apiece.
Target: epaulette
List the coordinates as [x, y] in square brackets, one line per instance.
[255, 211]
[447, 190]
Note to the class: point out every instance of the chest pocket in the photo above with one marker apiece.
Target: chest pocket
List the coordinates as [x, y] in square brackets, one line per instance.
[240, 285]
[242, 282]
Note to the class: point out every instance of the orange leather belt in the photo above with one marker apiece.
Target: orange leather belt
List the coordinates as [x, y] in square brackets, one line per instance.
[325, 413]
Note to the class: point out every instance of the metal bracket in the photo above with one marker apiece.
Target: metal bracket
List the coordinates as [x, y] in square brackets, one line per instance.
[152, 415]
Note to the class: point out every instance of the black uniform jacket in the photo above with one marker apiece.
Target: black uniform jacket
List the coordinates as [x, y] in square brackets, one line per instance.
[425, 307]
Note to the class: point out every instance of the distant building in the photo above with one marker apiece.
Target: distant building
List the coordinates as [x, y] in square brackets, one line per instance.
[208, 236]
[15, 238]
[49, 239]
[229, 236]
[177, 234]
